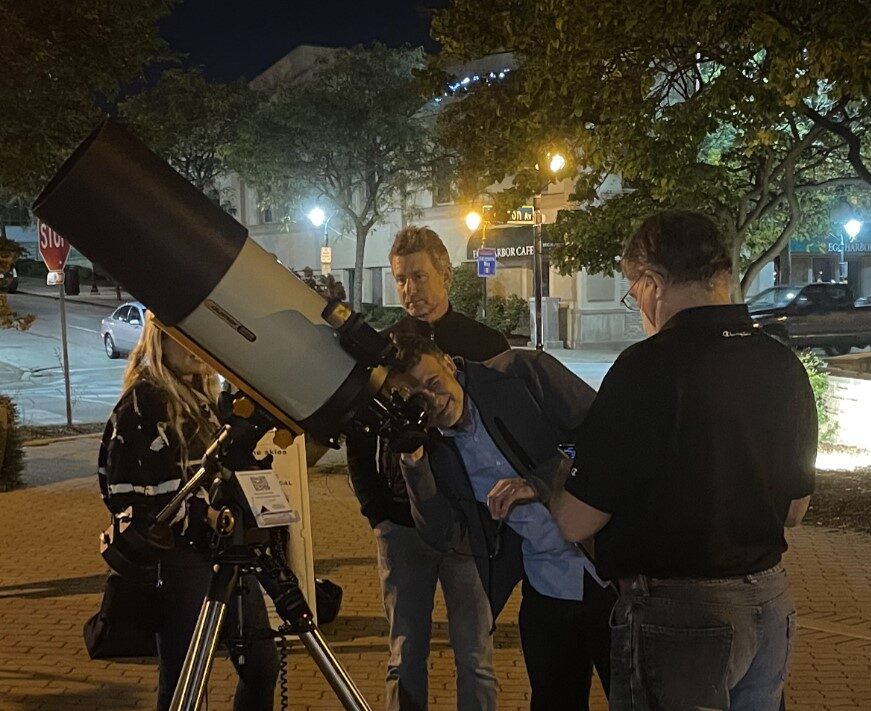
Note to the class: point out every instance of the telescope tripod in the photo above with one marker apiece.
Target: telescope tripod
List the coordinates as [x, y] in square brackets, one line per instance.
[265, 560]
[240, 547]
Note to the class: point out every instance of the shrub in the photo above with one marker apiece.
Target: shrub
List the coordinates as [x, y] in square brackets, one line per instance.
[11, 452]
[380, 317]
[816, 371]
[465, 292]
[505, 315]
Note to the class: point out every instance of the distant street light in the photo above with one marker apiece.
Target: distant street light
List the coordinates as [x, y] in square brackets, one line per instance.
[318, 217]
[556, 162]
[473, 220]
[852, 227]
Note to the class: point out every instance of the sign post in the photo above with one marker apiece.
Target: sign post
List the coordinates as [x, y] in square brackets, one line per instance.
[54, 251]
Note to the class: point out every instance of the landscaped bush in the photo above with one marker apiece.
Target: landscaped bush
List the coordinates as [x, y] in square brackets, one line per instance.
[816, 370]
[11, 453]
[505, 315]
[465, 292]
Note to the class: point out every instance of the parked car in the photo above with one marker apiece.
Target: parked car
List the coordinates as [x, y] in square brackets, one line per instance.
[121, 331]
[9, 280]
[862, 301]
[820, 315]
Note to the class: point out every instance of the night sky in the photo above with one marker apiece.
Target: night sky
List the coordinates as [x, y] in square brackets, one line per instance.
[233, 40]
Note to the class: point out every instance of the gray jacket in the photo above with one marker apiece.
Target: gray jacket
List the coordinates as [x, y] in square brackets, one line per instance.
[530, 404]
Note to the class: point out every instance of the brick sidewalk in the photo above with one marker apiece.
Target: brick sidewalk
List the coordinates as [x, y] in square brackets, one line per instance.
[51, 577]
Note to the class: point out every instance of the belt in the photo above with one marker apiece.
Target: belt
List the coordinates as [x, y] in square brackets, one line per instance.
[642, 583]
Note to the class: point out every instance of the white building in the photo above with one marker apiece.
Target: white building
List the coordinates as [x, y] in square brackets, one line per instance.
[589, 305]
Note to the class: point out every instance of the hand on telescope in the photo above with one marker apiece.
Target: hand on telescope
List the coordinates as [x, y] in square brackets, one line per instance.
[506, 494]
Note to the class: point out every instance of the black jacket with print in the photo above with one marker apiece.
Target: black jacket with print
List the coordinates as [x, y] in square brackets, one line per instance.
[138, 464]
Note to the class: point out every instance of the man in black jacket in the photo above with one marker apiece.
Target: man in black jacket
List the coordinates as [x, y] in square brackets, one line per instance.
[409, 568]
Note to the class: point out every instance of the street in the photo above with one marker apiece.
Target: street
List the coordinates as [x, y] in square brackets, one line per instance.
[31, 365]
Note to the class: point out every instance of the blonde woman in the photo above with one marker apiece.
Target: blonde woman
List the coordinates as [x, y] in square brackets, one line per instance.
[154, 440]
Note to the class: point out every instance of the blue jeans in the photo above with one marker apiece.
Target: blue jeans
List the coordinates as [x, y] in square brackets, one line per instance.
[692, 644]
[409, 569]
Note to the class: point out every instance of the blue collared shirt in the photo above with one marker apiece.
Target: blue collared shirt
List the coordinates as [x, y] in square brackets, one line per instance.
[553, 566]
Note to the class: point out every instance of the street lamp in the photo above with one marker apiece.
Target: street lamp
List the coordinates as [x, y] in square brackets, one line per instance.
[556, 162]
[852, 227]
[474, 220]
[318, 217]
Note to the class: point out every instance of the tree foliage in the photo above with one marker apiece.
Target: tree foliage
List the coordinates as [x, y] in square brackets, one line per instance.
[347, 136]
[62, 63]
[742, 109]
[191, 123]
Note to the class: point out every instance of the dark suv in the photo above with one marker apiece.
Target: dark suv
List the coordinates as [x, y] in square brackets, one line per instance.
[821, 315]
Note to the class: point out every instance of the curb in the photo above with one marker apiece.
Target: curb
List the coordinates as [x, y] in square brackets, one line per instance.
[74, 299]
[53, 440]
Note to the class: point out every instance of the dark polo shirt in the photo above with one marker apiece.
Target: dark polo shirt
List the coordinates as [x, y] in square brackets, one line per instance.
[697, 442]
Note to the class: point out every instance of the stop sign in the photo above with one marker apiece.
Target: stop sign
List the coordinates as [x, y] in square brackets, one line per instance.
[53, 248]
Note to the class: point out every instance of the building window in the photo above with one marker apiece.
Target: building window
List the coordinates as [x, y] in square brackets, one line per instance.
[266, 215]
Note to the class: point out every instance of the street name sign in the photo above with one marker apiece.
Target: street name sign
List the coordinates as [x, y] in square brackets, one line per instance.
[486, 258]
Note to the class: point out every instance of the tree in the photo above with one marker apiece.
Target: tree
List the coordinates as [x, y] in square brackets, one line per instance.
[191, 123]
[755, 112]
[348, 136]
[62, 63]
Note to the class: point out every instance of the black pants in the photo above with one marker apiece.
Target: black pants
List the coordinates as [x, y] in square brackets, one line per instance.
[185, 578]
[561, 641]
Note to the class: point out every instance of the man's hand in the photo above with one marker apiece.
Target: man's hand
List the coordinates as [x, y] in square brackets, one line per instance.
[411, 458]
[506, 493]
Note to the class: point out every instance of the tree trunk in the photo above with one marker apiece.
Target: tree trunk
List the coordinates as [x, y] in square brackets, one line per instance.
[362, 233]
[735, 252]
[785, 235]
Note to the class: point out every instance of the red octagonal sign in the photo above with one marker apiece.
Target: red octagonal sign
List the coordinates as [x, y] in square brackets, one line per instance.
[53, 248]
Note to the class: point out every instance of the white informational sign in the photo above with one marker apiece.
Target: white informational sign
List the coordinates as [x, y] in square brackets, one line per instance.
[326, 255]
[289, 468]
[266, 498]
[54, 278]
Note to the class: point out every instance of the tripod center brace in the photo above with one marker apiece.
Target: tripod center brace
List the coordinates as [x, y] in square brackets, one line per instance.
[240, 547]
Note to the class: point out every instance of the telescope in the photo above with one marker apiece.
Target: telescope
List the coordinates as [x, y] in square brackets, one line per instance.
[300, 363]
[315, 366]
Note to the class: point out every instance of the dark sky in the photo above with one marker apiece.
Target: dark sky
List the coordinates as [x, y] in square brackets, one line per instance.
[240, 39]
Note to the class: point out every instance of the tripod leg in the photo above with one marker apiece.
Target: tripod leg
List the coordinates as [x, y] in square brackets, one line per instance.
[201, 652]
[339, 679]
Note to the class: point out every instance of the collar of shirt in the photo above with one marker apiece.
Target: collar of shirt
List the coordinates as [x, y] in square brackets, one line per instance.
[720, 318]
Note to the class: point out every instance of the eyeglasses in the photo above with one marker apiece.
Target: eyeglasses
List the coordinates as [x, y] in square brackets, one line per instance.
[629, 301]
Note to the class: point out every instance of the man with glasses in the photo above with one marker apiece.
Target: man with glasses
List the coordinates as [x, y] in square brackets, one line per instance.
[687, 481]
[494, 426]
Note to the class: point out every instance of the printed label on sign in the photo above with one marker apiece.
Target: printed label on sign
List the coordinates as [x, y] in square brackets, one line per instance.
[266, 499]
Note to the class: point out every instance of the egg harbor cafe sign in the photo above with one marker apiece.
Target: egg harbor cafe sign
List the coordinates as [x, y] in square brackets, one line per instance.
[830, 246]
[511, 240]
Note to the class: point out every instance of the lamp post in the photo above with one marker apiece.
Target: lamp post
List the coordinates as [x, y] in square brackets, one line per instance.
[852, 227]
[474, 220]
[556, 162]
[318, 217]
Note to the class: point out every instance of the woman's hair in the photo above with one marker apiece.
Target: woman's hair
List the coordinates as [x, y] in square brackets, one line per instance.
[187, 417]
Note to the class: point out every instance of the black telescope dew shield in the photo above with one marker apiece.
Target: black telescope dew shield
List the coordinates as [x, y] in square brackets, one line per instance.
[207, 281]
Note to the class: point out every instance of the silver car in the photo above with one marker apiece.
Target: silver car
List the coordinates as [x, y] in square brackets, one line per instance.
[121, 331]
